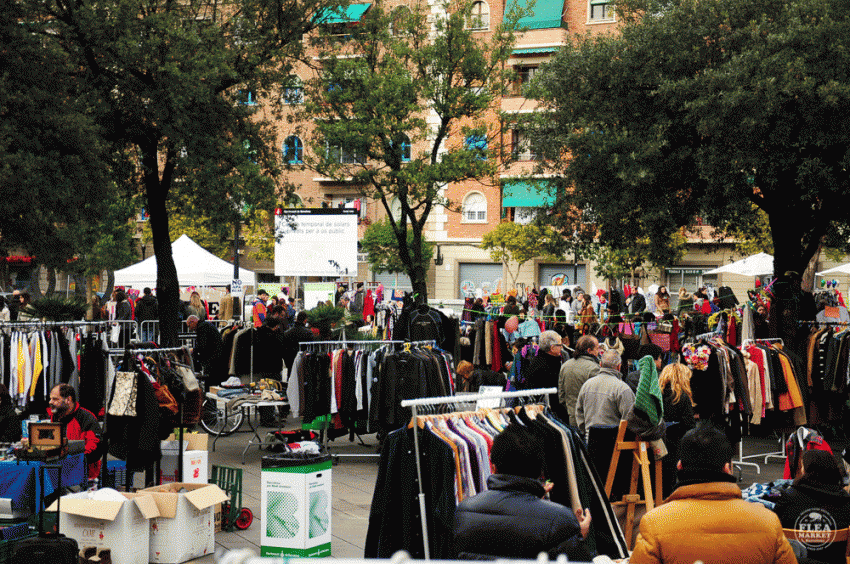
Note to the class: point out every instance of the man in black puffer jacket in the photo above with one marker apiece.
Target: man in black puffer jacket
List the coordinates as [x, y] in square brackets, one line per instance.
[511, 520]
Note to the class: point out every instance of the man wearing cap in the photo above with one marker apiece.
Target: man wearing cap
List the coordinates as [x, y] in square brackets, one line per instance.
[705, 519]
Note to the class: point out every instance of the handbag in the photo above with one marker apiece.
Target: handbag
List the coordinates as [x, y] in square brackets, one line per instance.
[124, 394]
[664, 327]
[164, 397]
[631, 342]
[663, 340]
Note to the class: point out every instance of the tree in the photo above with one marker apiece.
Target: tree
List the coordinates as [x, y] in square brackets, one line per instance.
[511, 242]
[700, 109]
[380, 244]
[387, 117]
[59, 203]
[217, 237]
[176, 84]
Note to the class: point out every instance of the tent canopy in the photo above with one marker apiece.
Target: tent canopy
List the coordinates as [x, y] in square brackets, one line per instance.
[195, 267]
[843, 269]
[755, 265]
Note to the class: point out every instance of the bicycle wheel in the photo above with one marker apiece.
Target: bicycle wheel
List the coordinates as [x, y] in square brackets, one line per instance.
[214, 422]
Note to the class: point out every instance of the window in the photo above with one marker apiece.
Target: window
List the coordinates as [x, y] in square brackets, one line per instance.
[521, 148]
[247, 97]
[344, 155]
[479, 16]
[474, 208]
[601, 10]
[403, 143]
[524, 76]
[293, 150]
[524, 216]
[477, 143]
[250, 151]
[293, 91]
[395, 208]
[399, 20]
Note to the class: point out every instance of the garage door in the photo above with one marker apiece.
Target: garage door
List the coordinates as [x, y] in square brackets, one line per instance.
[389, 280]
[549, 275]
[478, 276]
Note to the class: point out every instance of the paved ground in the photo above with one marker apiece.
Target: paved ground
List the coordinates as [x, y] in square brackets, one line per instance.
[353, 485]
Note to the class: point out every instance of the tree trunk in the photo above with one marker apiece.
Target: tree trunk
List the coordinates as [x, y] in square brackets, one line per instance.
[167, 285]
[787, 245]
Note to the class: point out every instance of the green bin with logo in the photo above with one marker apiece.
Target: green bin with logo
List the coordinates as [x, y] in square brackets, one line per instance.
[296, 505]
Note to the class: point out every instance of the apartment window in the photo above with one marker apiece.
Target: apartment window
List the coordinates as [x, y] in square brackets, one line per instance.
[479, 16]
[477, 143]
[403, 143]
[250, 151]
[601, 10]
[521, 148]
[475, 208]
[247, 97]
[345, 155]
[524, 76]
[293, 92]
[399, 21]
[293, 150]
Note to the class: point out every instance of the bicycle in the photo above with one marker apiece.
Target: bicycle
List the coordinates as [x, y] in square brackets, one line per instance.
[213, 418]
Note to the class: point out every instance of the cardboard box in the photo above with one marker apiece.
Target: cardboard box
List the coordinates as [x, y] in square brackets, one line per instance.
[121, 526]
[191, 441]
[295, 508]
[184, 529]
[195, 467]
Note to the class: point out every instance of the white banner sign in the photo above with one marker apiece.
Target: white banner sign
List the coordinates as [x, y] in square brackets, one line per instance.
[316, 242]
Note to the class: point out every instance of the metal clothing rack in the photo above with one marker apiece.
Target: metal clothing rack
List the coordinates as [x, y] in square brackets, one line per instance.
[179, 416]
[781, 454]
[356, 345]
[414, 403]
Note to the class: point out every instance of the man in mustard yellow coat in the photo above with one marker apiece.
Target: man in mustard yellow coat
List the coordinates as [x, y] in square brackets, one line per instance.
[705, 517]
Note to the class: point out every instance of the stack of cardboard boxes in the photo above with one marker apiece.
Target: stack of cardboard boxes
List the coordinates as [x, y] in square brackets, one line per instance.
[166, 524]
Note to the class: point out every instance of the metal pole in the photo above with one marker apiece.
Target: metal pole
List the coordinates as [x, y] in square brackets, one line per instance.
[236, 249]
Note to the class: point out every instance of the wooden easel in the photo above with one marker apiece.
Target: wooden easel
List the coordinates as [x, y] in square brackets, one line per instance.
[640, 466]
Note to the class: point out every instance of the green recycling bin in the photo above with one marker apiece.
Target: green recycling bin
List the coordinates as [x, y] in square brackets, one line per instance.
[296, 505]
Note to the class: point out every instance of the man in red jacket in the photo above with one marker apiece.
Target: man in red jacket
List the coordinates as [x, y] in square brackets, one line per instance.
[80, 424]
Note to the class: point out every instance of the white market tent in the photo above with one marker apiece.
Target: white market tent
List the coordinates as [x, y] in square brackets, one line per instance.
[755, 265]
[195, 267]
[843, 269]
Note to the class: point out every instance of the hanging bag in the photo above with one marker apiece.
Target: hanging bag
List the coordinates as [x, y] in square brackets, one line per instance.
[124, 395]
[164, 397]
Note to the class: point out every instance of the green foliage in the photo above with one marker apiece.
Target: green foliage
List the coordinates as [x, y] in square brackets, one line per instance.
[380, 244]
[325, 317]
[753, 237]
[57, 308]
[165, 83]
[514, 243]
[407, 80]
[54, 163]
[700, 109]
[217, 237]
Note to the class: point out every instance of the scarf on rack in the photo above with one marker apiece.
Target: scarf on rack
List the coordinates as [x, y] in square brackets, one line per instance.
[648, 397]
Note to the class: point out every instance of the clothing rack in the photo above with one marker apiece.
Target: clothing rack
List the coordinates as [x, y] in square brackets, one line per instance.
[356, 345]
[414, 403]
[781, 454]
[179, 418]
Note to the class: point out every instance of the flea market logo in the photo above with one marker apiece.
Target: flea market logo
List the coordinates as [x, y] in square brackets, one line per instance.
[815, 529]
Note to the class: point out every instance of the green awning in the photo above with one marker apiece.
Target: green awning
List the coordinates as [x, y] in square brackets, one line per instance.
[527, 194]
[535, 51]
[352, 13]
[548, 14]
